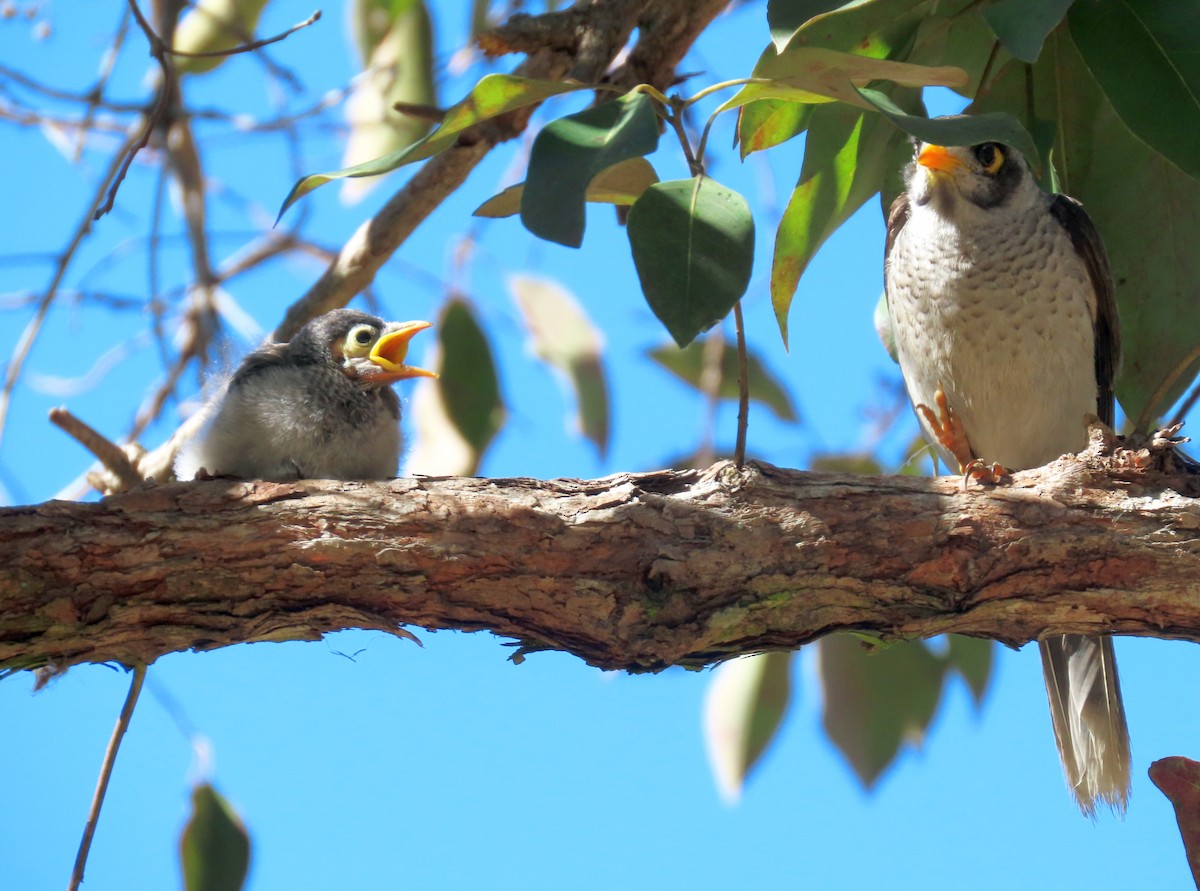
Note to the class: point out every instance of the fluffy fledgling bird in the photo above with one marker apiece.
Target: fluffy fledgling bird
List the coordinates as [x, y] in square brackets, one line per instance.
[319, 406]
[1005, 324]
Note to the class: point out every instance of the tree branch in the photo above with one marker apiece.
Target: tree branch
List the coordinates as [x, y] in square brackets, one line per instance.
[667, 28]
[634, 571]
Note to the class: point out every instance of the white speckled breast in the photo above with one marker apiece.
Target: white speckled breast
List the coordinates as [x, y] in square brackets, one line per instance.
[999, 314]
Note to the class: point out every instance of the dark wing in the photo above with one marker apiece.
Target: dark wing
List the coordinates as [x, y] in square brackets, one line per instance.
[1090, 248]
[896, 219]
[271, 355]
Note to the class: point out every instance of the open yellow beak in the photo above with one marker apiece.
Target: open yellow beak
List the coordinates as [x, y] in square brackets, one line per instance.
[938, 157]
[391, 349]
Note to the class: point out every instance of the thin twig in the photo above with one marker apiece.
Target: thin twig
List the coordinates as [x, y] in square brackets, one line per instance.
[111, 455]
[152, 119]
[106, 769]
[743, 420]
[29, 335]
[245, 47]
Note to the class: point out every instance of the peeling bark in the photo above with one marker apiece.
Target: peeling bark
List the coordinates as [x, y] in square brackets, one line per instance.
[633, 571]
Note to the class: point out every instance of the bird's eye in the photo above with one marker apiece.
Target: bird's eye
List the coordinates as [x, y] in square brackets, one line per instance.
[359, 340]
[990, 157]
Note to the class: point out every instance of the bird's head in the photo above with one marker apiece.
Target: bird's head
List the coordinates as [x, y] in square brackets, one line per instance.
[366, 349]
[961, 181]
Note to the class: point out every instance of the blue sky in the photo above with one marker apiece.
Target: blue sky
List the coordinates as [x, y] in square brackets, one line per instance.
[447, 766]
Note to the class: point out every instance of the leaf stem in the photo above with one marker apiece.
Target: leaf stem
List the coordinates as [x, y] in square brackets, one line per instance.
[743, 421]
[106, 768]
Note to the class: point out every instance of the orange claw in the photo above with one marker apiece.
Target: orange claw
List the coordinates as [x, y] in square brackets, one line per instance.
[947, 428]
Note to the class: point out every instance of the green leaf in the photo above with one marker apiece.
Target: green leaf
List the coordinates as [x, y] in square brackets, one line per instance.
[818, 75]
[971, 657]
[399, 69]
[875, 701]
[1148, 212]
[494, 95]
[688, 364]
[785, 16]
[845, 160]
[766, 123]
[693, 245]
[1145, 55]
[214, 849]
[568, 154]
[877, 28]
[564, 337]
[622, 184]
[1021, 26]
[743, 709]
[467, 379]
[958, 129]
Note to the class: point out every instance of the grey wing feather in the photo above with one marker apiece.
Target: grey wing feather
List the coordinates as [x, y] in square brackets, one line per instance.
[1090, 248]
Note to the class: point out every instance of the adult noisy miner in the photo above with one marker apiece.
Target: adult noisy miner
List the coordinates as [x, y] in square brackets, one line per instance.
[1002, 310]
[320, 406]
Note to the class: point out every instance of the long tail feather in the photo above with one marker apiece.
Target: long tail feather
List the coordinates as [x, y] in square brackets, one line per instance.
[1089, 719]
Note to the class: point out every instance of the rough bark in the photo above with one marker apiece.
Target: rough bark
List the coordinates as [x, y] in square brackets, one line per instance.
[634, 571]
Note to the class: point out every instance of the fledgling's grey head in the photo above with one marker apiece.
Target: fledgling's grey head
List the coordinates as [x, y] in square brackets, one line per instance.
[368, 350]
[971, 183]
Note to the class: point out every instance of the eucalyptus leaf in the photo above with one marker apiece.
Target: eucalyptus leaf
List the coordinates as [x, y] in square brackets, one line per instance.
[622, 184]
[766, 123]
[1022, 25]
[972, 658]
[1145, 55]
[688, 364]
[568, 154]
[743, 708]
[494, 95]
[214, 26]
[876, 701]
[214, 849]
[845, 160]
[958, 129]
[398, 69]
[693, 246]
[467, 378]
[785, 16]
[1148, 212]
[818, 75]
[562, 335]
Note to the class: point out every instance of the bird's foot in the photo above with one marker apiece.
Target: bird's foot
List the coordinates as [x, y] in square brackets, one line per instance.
[989, 474]
[947, 429]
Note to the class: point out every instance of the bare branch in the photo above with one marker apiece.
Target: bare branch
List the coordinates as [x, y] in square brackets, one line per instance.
[634, 571]
[111, 455]
[106, 769]
[247, 47]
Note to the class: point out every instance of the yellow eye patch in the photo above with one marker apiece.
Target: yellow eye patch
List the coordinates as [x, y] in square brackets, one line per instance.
[359, 340]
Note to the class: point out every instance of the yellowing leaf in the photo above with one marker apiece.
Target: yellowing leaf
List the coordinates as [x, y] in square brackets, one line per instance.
[814, 75]
[398, 68]
[620, 184]
[213, 26]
